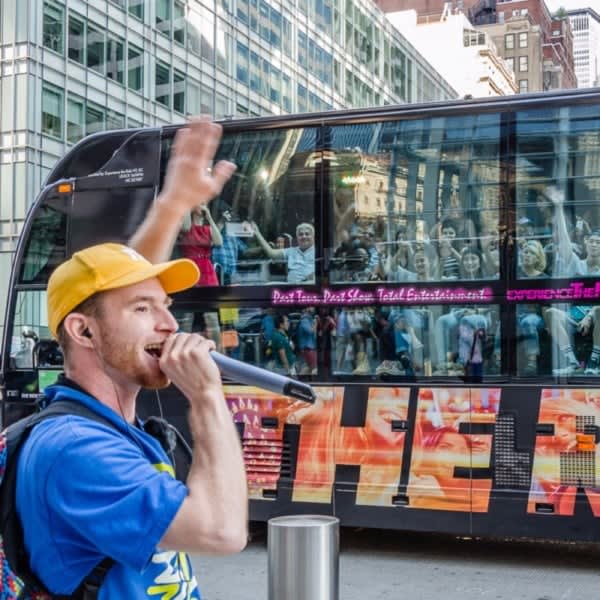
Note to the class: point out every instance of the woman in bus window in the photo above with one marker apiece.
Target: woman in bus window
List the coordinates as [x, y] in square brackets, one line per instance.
[200, 233]
[532, 262]
[471, 263]
[449, 255]
[402, 255]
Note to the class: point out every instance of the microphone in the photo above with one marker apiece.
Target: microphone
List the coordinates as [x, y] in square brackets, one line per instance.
[250, 375]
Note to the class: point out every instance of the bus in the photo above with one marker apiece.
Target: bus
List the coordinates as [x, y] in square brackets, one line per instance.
[431, 270]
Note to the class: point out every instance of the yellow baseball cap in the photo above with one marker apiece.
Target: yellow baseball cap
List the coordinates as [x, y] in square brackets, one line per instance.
[107, 267]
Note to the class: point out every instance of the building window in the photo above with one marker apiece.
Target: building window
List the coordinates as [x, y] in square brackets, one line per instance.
[52, 112]
[94, 118]
[509, 41]
[75, 120]
[136, 8]
[523, 40]
[178, 91]
[134, 123]
[95, 49]
[53, 26]
[162, 91]
[221, 106]
[179, 23]
[523, 86]
[286, 93]
[193, 98]
[163, 17]
[135, 68]
[207, 36]
[523, 63]
[114, 120]
[206, 101]
[115, 60]
[510, 62]
[242, 63]
[302, 98]
[254, 72]
[76, 40]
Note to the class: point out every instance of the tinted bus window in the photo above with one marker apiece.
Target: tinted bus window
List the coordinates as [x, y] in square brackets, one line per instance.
[261, 229]
[415, 200]
[558, 219]
[46, 247]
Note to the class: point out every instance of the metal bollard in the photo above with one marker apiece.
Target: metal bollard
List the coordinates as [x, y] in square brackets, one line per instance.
[304, 557]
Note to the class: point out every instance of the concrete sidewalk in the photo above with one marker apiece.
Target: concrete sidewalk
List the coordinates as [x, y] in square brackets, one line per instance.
[387, 565]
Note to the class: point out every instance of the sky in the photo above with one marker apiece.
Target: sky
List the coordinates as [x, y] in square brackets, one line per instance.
[554, 5]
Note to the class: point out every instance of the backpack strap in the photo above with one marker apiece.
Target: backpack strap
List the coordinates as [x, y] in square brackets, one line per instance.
[11, 528]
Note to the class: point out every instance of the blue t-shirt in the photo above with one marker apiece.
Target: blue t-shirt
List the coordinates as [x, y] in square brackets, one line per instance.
[87, 491]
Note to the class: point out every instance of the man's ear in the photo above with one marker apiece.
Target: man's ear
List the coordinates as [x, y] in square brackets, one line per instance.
[78, 329]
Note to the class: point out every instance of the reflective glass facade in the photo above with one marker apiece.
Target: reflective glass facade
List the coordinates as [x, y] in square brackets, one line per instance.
[71, 68]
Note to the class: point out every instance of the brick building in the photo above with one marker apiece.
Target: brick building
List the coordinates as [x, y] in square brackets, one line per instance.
[537, 46]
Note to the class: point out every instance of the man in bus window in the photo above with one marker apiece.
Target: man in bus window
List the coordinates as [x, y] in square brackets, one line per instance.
[568, 263]
[583, 320]
[300, 259]
[87, 491]
[563, 326]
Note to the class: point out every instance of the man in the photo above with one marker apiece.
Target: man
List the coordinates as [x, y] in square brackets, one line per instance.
[300, 259]
[563, 322]
[86, 491]
[282, 347]
[567, 263]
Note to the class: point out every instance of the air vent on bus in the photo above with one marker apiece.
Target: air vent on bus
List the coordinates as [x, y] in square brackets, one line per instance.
[266, 462]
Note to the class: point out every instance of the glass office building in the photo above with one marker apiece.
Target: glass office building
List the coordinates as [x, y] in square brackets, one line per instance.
[71, 68]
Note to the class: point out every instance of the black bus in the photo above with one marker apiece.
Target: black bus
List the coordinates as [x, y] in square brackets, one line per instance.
[447, 314]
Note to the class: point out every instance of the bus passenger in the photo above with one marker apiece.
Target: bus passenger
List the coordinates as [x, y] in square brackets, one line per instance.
[282, 347]
[472, 332]
[563, 325]
[424, 270]
[366, 239]
[307, 340]
[446, 342]
[532, 260]
[567, 263]
[529, 326]
[449, 255]
[109, 308]
[199, 234]
[490, 253]
[402, 254]
[225, 256]
[300, 259]
[471, 263]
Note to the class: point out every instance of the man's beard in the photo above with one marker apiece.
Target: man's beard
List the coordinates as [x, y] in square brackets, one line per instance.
[125, 359]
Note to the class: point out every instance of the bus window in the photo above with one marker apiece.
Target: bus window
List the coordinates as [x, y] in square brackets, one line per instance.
[558, 220]
[46, 247]
[417, 341]
[415, 200]
[32, 345]
[282, 341]
[261, 229]
[561, 340]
